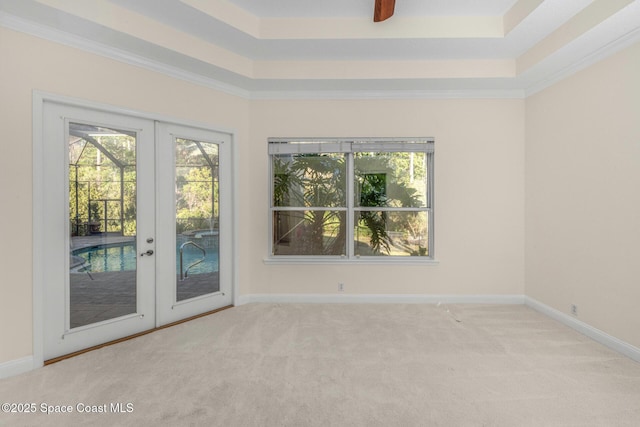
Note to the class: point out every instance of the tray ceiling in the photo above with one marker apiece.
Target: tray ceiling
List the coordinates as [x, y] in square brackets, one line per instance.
[332, 48]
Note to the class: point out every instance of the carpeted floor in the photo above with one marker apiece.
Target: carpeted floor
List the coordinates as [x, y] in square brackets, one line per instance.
[343, 365]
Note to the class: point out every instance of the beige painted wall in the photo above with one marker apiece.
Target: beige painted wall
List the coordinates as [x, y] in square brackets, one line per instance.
[479, 176]
[583, 195]
[479, 200]
[30, 63]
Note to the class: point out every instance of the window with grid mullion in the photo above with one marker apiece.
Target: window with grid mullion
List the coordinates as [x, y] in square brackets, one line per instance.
[358, 202]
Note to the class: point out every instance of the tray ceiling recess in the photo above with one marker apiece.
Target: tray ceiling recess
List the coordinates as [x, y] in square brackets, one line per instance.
[336, 49]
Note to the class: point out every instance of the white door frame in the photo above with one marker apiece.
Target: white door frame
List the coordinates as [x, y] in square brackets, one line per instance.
[39, 187]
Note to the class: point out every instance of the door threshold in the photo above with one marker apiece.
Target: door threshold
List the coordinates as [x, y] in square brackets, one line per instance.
[130, 337]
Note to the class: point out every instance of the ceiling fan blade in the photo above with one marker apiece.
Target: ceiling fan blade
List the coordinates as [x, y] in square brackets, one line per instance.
[383, 10]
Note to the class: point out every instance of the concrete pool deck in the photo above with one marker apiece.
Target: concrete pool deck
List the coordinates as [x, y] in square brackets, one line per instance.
[113, 294]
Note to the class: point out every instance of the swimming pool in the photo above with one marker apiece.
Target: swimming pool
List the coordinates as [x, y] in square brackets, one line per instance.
[123, 256]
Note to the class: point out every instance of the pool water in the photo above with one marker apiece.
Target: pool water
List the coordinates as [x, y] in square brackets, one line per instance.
[123, 256]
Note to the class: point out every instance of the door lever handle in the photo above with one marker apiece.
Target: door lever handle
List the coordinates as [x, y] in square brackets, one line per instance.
[148, 253]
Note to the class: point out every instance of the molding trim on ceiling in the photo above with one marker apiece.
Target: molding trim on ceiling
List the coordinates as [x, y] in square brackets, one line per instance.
[15, 23]
[390, 94]
[518, 13]
[578, 26]
[116, 18]
[474, 69]
[41, 31]
[605, 51]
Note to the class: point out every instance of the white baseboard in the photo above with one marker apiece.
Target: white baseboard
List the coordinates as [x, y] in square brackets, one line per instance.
[585, 329]
[381, 299]
[15, 367]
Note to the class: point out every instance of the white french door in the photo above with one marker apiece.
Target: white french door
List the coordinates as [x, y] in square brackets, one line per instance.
[136, 225]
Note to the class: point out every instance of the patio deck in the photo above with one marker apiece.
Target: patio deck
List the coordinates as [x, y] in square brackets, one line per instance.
[113, 294]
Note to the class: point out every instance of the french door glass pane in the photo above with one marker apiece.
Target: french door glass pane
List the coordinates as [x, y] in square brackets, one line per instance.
[197, 218]
[102, 218]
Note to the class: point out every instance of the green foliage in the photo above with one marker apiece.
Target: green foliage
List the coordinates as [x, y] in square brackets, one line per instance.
[194, 194]
[196, 198]
[319, 180]
[373, 193]
[314, 180]
[102, 184]
[102, 195]
[197, 192]
[391, 180]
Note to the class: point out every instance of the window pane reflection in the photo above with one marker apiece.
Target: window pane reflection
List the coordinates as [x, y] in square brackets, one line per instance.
[312, 232]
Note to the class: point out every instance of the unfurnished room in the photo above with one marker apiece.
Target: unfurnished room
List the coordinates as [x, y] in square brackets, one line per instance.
[320, 213]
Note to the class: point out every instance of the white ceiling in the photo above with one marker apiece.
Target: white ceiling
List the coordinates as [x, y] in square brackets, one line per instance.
[547, 18]
[331, 48]
[364, 8]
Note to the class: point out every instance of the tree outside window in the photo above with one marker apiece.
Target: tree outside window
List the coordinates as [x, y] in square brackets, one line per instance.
[365, 199]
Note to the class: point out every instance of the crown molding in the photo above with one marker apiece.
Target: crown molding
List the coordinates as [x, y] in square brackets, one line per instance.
[15, 23]
[522, 90]
[390, 94]
[627, 40]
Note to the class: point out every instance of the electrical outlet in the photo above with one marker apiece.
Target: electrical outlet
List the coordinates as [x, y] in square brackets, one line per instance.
[574, 309]
[340, 287]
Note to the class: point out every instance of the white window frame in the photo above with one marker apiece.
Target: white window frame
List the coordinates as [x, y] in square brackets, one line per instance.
[349, 147]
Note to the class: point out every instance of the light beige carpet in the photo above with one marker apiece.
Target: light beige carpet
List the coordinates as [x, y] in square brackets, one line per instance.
[344, 365]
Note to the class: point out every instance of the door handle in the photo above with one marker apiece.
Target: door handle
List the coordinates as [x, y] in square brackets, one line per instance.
[148, 253]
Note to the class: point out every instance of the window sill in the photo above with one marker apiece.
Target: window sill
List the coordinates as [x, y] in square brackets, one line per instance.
[289, 260]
